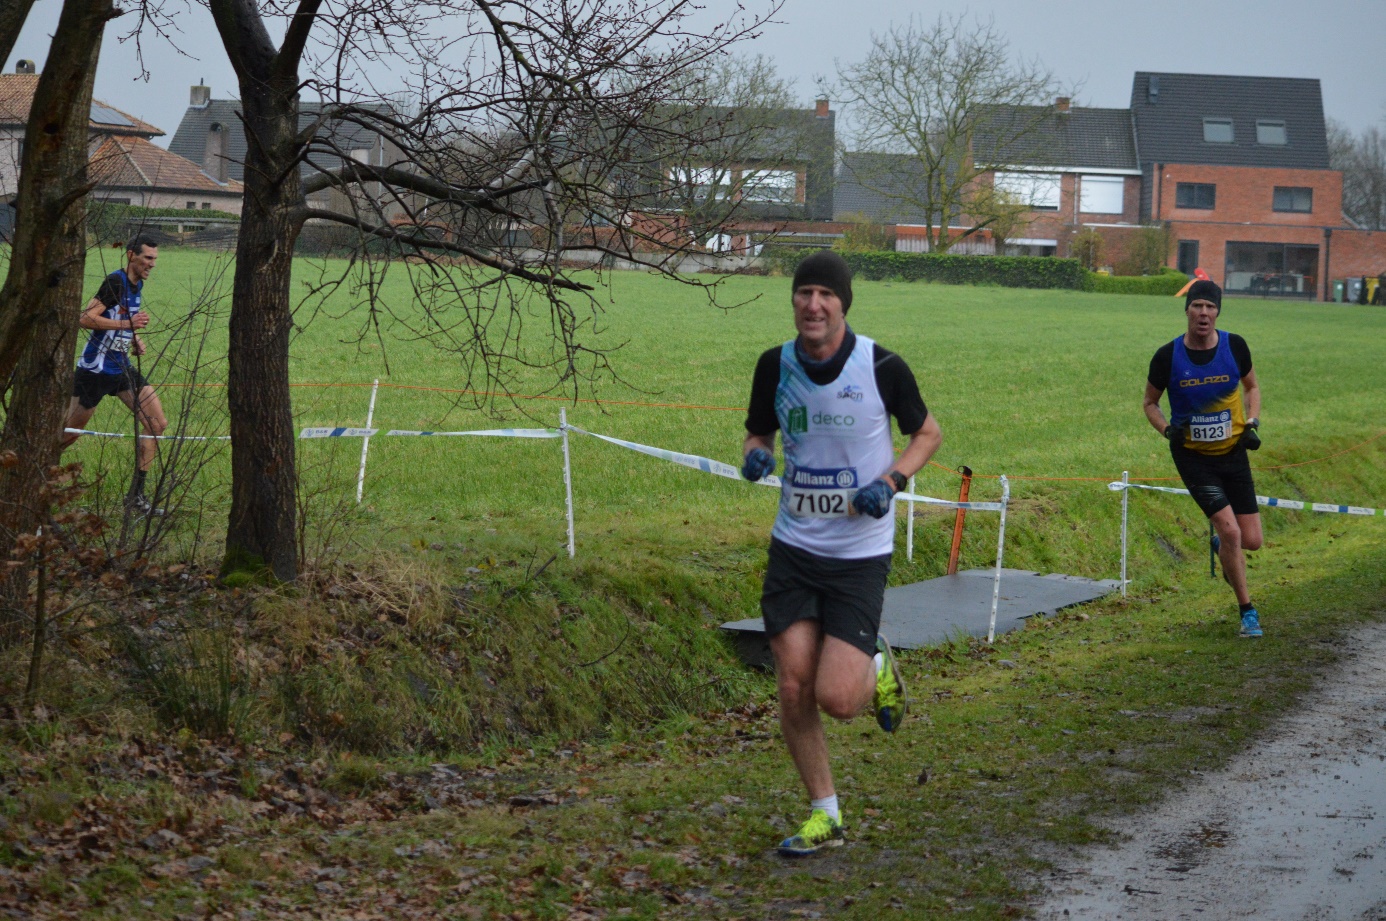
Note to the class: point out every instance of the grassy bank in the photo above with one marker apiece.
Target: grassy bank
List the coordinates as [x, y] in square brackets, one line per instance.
[457, 726]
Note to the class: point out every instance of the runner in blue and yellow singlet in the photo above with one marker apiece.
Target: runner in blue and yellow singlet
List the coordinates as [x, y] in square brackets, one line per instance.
[1214, 403]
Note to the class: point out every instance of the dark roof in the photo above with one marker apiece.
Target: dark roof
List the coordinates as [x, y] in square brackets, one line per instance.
[882, 187]
[190, 140]
[1169, 122]
[1043, 136]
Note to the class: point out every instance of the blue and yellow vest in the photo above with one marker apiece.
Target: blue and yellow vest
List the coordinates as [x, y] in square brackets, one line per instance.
[1207, 399]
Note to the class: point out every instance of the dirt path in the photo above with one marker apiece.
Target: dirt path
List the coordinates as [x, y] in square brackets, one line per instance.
[1293, 829]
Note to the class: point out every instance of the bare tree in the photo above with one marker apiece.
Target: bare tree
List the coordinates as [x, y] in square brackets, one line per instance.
[532, 130]
[45, 276]
[942, 105]
[1363, 162]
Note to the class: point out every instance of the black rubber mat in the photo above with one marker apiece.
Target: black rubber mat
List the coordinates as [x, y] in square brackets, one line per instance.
[927, 613]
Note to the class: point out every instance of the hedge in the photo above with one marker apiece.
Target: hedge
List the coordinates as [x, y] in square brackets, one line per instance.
[1168, 282]
[1006, 271]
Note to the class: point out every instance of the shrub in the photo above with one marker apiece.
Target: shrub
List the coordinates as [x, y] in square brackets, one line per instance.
[1087, 247]
[1167, 282]
[1007, 271]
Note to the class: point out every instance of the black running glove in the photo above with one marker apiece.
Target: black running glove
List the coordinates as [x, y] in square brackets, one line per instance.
[1250, 440]
[1175, 434]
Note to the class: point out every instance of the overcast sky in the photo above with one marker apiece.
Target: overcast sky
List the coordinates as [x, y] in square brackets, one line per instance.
[1098, 43]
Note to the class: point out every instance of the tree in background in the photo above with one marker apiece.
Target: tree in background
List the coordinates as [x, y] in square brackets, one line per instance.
[1087, 247]
[43, 286]
[923, 93]
[1362, 159]
[531, 129]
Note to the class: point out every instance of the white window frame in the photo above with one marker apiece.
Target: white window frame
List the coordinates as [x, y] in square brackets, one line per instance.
[1096, 193]
[1038, 191]
[775, 186]
[1219, 122]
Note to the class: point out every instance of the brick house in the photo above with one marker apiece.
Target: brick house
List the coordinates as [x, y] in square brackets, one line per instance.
[1237, 169]
[1075, 168]
[126, 167]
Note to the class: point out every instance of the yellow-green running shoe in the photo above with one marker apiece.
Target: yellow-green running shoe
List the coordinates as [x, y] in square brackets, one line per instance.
[889, 701]
[821, 830]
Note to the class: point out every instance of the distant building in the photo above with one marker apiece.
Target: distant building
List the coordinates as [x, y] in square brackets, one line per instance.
[125, 166]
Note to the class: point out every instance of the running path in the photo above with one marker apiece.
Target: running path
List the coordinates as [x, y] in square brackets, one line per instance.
[1293, 829]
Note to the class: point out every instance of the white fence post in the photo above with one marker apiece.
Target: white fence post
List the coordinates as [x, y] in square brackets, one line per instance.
[366, 444]
[567, 478]
[1000, 551]
[909, 524]
[1125, 500]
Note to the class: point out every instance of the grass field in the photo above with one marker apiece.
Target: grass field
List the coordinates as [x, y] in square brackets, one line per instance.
[664, 799]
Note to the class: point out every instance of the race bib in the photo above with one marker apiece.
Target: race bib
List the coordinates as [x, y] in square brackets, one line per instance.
[119, 344]
[1211, 426]
[821, 493]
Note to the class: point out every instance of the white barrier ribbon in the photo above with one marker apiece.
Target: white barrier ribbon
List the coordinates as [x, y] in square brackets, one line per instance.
[494, 433]
[945, 503]
[336, 433]
[151, 437]
[705, 464]
[1268, 501]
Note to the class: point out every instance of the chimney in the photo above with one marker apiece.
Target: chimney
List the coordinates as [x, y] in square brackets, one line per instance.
[24, 67]
[820, 108]
[200, 97]
[1062, 104]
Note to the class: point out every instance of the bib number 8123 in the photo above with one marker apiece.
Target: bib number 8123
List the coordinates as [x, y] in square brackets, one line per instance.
[1215, 432]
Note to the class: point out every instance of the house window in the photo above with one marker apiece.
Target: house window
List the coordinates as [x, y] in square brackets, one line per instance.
[1218, 131]
[1102, 194]
[192, 206]
[206, 206]
[770, 185]
[1271, 269]
[1293, 198]
[1200, 195]
[1038, 191]
[702, 182]
[1188, 256]
[1270, 132]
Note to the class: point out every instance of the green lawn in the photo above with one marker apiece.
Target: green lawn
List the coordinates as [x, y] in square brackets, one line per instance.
[617, 761]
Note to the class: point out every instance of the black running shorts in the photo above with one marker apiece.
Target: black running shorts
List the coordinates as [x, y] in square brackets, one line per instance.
[1218, 480]
[89, 386]
[844, 596]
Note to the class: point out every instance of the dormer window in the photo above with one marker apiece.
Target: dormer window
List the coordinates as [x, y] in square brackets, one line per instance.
[1218, 131]
[1269, 131]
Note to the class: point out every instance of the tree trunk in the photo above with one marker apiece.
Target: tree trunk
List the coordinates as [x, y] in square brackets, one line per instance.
[261, 532]
[61, 105]
[52, 190]
[12, 16]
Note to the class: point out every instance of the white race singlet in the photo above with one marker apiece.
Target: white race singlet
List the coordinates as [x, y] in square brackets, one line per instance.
[836, 440]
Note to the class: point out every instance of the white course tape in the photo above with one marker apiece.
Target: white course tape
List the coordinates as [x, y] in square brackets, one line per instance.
[153, 437]
[368, 433]
[1268, 501]
[945, 503]
[336, 433]
[705, 464]
[494, 433]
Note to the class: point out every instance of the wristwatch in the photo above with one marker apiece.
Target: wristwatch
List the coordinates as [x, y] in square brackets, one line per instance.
[898, 479]
[1253, 423]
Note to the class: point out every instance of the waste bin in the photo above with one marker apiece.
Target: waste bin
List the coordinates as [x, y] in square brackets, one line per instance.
[1350, 290]
[1371, 289]
[1338, 291]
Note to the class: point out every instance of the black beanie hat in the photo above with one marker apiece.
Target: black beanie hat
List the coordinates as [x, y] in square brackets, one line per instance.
[1204, 290]
[830, 270]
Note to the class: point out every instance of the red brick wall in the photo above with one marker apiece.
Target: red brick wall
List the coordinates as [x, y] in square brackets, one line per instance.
[1357, 252]
[1244, 194]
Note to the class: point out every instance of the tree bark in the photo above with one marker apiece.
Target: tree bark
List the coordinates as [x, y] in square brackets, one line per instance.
[61, 105]
[261, 534]
[51, 231]
[13, 13]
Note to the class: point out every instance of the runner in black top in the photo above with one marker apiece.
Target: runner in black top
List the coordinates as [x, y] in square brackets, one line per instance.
[1214, 401]
[115, 316]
